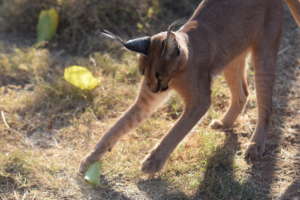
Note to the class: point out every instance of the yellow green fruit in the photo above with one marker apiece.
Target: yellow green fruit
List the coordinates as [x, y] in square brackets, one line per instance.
[47, 25]
[92, 175]
[81, 77]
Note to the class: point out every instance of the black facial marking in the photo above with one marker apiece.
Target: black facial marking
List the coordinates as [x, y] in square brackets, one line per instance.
[158, 76]
[164, 89]
[142, 71]
[177, 51]
[158, 86]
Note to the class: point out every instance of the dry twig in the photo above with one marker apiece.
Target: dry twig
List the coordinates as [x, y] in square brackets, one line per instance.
[4, 120]
[282, 51]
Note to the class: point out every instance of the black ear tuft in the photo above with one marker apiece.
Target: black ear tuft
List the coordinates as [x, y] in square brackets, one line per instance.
[139, 45]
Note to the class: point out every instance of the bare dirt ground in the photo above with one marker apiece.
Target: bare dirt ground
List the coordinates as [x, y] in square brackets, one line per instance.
[276, 176]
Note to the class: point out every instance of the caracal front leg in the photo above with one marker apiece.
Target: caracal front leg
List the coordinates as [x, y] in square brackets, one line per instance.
[235, 76]
[196, 105]
[146, 103]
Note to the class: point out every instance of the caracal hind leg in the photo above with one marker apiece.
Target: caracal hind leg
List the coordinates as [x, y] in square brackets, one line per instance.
[264, 57]
[235, 76]
[264, 80]
[146, 103]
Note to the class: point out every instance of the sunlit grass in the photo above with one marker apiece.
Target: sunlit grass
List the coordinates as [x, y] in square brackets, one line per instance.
[45, 108]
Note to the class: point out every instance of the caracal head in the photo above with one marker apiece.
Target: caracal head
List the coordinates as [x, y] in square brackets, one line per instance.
[162, 56]
[165, 58]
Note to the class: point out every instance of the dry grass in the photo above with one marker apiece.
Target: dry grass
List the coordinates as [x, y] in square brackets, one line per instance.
[80, 20]
[53, 125]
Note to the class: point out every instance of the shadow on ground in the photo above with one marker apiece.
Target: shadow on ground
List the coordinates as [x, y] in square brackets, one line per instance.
[262, 181]
[51, 102]
[105, 191]
[219, 176]
[293, 138]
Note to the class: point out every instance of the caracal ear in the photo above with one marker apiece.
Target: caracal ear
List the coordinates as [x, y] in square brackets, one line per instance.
[140, 45]
[171, 48]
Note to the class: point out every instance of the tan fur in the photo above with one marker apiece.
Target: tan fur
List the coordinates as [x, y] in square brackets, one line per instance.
[295, 9]
[216, 38]
[235, 76]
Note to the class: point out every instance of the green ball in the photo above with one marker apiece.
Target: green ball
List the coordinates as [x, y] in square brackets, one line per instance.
[92, 175]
